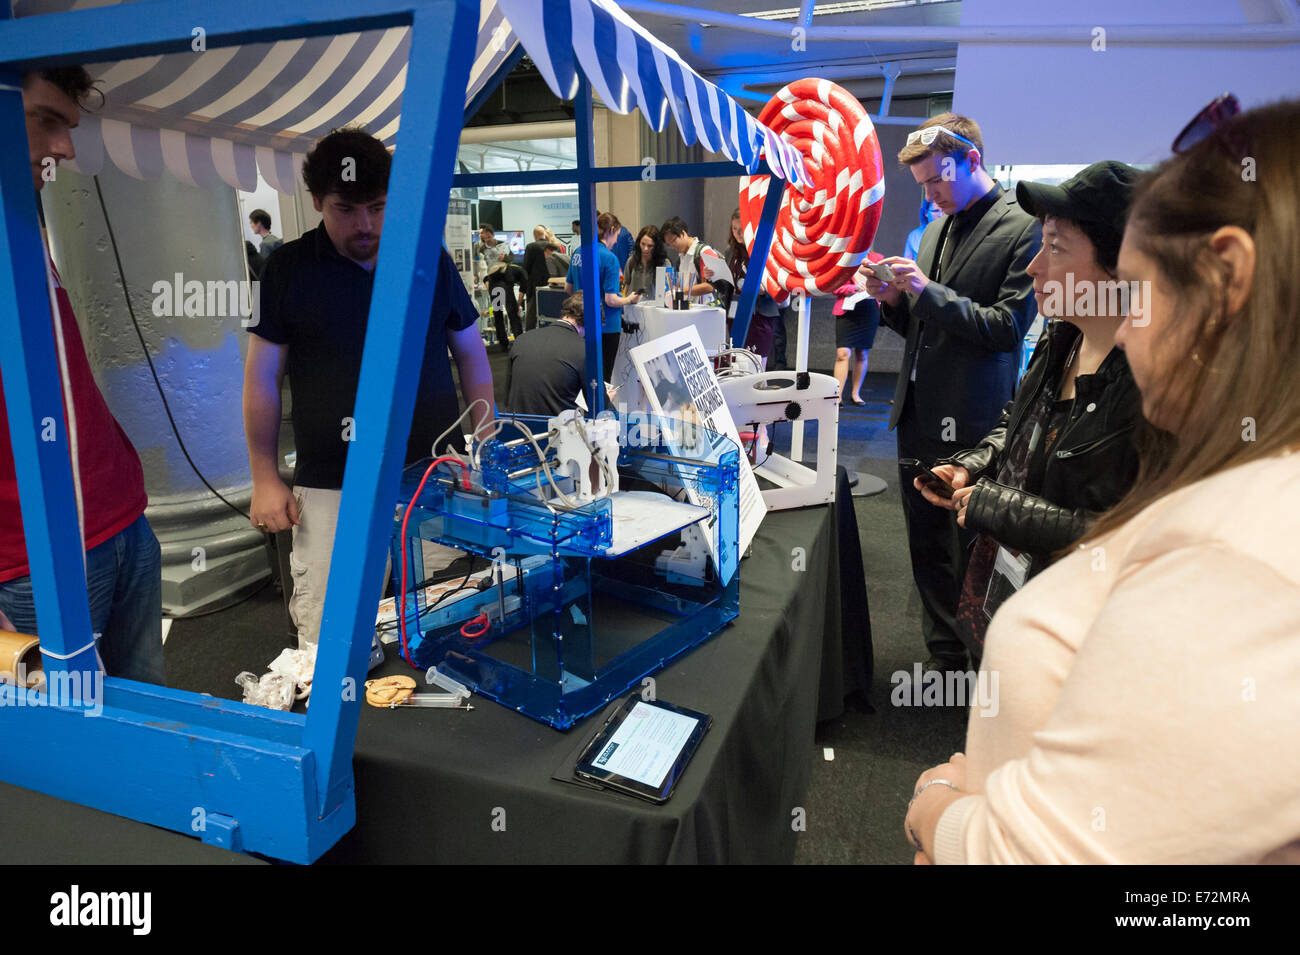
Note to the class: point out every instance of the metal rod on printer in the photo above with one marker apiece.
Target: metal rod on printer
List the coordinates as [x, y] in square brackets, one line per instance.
[673, 458]
[523, 473]
[501, 591]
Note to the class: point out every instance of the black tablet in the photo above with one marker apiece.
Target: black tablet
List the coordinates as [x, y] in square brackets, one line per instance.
[643, 748]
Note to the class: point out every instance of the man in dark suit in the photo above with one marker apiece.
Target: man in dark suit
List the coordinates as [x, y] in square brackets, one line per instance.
[964, 307]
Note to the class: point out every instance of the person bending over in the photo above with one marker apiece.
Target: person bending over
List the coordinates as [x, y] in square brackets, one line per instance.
[547, 364]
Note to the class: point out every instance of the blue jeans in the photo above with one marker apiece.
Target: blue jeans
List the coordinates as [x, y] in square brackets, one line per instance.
[124, 584]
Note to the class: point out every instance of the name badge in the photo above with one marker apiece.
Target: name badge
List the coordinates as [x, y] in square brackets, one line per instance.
[1009, 572]
[731, 311]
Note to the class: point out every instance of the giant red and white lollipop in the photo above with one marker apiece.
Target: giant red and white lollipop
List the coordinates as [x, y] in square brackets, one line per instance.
[825, 227]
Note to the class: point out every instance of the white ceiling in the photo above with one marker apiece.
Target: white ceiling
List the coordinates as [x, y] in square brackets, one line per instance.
[751, 66]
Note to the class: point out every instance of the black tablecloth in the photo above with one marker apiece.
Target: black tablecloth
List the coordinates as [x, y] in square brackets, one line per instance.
[432, 783]
[478, 786]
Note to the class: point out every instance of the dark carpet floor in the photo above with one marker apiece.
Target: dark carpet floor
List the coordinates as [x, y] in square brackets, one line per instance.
[864, 763]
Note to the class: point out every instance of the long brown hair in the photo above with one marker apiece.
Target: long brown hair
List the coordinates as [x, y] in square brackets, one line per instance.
[658, 255]
[737, 252]
[1237, 375]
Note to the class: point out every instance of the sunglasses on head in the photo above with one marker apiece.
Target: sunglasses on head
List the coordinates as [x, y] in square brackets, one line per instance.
[928, 135]
[1207, 122]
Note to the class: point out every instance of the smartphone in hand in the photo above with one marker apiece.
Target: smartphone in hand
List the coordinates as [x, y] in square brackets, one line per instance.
[883, 272]
[931, 480]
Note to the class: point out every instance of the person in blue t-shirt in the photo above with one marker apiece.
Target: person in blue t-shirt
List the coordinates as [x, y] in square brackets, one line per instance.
[929, 212]
[611, 324]
[622, 247]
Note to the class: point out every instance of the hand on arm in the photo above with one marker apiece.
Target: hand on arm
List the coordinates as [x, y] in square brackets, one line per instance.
[475, 373]
[931, 796]
[273, 507]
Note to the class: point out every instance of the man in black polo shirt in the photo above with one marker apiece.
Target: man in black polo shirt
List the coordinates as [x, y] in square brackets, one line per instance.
[315, 303]
[547, 364]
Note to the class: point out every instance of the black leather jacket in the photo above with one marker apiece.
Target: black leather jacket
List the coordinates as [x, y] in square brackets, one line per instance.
[1092, 464]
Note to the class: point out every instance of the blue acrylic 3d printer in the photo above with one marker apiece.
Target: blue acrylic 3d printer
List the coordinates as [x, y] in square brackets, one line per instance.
[613, 548]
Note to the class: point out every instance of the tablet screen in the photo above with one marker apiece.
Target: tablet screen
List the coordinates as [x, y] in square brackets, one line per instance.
[643, 748]
[646, 744]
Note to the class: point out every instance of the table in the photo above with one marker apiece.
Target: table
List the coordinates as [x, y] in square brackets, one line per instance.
[455, 786]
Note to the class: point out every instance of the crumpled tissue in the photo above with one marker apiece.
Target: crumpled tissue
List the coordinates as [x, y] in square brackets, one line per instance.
[287, 679]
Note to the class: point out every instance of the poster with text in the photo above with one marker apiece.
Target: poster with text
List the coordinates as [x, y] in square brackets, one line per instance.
[677, 379]
[456, 236]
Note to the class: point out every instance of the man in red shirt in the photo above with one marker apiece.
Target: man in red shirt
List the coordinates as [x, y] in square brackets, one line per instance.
[123, 560]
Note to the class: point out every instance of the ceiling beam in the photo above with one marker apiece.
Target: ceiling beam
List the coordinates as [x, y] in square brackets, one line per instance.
[1202, 35]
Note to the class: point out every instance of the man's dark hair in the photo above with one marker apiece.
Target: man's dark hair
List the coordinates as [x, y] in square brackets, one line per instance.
[484, 225]
[367, 172]
[674, 226]
[261, 217]
[577, 224]
[572, 306]
[73, 81]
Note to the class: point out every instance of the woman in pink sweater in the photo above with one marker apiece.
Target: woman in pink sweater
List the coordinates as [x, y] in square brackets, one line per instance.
[1150, 681]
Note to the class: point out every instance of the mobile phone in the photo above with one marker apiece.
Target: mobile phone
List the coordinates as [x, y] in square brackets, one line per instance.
[931, 480]
[880, 271]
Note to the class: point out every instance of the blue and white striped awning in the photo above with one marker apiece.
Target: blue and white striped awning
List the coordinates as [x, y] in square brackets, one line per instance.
[629, 68]
[223, 115]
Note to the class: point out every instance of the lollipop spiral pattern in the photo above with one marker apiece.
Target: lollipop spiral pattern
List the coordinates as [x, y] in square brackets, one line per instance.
[825, 227]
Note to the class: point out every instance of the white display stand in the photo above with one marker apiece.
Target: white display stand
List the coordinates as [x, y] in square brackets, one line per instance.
[773, 397]
[800, 364]
[655, 321]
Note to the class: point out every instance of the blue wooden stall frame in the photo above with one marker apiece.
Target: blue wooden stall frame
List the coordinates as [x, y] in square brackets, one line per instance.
[249, 779]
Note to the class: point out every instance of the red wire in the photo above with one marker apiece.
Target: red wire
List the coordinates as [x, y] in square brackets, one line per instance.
[484, 626]
[401, 607]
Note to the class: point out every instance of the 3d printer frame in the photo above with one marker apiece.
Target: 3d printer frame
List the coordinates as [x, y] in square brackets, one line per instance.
[578, 606]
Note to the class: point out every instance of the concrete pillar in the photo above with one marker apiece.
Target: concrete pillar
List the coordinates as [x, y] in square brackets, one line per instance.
[163, 228]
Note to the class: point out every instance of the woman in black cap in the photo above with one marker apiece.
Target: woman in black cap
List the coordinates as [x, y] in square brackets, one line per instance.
[1062, 452]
